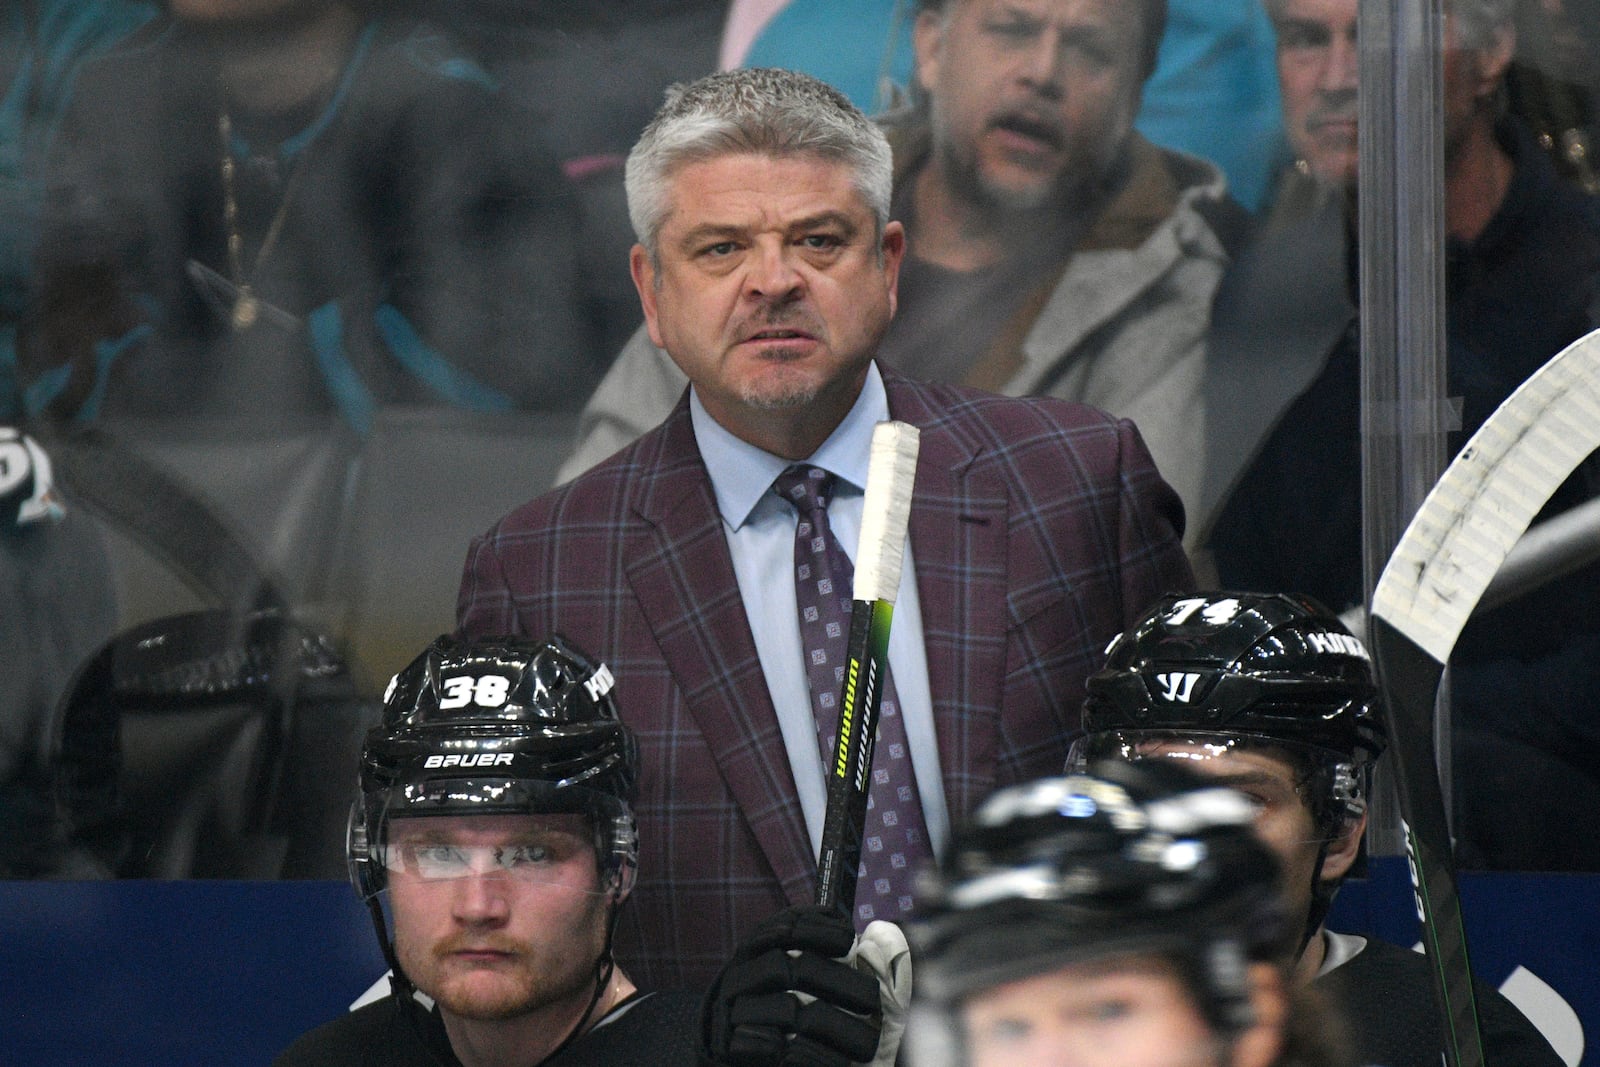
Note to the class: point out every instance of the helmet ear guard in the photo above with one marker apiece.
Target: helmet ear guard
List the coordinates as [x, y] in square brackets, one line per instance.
[366, 875]
[621, 862]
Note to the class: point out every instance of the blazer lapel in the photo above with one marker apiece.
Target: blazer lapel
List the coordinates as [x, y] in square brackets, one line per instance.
[958, 543]
[684, 580]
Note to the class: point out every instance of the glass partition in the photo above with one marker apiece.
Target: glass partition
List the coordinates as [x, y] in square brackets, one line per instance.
[297, 298]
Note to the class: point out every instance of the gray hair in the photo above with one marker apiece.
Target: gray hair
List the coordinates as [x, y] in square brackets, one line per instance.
[758, 111]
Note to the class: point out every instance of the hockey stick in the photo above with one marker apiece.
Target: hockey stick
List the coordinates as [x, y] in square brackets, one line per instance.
[1444, 561]
[885, 513]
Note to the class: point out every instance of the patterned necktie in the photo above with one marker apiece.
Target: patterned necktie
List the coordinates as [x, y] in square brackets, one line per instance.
[895, 842]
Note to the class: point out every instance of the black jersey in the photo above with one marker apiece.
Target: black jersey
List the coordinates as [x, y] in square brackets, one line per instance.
[1386, 994]
[653, 1030]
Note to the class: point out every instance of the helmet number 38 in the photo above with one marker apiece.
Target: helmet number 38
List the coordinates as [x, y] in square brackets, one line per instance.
[484, 690]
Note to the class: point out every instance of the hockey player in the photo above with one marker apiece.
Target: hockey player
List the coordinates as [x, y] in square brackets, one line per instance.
[1272, 695]
[494, 820]
[1125, 916]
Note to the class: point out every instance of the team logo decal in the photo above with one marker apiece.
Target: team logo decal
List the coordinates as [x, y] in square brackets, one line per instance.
[1177, 687]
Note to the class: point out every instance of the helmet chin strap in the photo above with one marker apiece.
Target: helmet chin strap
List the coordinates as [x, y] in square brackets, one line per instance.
[1321, 901]
[604, 968]
[399, 984]
[401, 989]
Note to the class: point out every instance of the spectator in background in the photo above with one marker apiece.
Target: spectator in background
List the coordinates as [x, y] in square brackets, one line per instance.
[591, 73]
[1051, 249]
[270, 208]
[1213, 93]
[1555, 83]
[42, 44]
[1522, 280]
[64, 579]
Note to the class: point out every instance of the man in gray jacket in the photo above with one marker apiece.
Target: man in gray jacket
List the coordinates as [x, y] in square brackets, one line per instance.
[1052, 249]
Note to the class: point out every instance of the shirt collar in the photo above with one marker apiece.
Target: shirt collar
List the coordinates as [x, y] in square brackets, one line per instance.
[741, 473]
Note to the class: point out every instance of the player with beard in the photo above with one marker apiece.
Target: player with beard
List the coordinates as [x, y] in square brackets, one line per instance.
[494, 829]
[1051, 250]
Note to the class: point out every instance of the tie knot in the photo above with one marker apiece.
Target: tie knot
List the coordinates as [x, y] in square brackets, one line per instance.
[805, 487]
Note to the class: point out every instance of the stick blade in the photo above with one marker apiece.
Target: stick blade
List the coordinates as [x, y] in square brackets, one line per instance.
[1445, 560]
[1487, 497]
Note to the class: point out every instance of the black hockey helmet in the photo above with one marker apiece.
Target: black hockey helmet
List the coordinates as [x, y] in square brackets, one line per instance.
[1259, 669]
[1123, 859]
[497, 726]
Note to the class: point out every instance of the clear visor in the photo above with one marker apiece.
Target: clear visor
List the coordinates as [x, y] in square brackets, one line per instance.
[435, 861]
[514, 834]
[1129, 745]
[1278, 779]
[1202, 749]
[556, 850]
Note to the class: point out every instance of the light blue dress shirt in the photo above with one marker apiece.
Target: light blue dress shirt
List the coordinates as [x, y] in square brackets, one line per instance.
[760, 528]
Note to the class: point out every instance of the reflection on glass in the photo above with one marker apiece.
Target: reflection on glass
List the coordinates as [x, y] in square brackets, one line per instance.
[319, 289]
[1522, 265]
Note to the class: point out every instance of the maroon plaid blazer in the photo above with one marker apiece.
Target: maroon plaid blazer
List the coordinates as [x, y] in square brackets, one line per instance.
[1040, 530]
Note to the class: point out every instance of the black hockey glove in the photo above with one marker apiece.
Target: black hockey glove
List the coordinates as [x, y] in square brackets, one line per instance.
[759, 1012]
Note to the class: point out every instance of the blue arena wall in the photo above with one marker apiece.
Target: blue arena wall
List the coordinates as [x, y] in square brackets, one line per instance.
[225, 974]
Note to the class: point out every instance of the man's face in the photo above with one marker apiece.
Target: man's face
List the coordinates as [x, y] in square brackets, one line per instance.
[495, 935]
[1317, 66]
[1031, 99]
[773, 287]
[1131, 1011]
[1283, 819]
